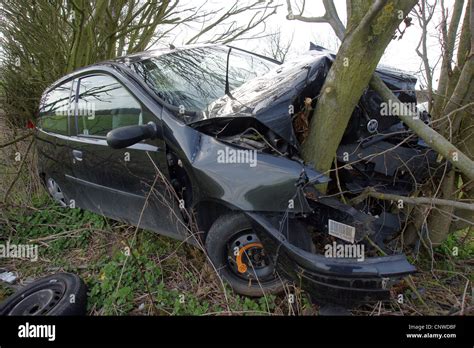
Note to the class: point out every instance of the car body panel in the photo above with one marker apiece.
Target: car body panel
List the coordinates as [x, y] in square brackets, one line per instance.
[104, 181]
[273, 179]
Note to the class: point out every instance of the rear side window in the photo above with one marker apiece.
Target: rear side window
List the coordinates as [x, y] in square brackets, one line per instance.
[104, 104]
[55, 109]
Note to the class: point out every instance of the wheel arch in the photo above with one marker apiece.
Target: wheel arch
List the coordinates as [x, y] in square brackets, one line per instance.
[208, 211]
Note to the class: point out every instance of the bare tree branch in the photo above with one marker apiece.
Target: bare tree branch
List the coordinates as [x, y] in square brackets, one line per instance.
[371, 192]
[331, 17]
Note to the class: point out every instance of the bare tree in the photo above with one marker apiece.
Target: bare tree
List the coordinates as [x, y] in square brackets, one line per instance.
[276, 47]
[452, 109]
[221, 26]
[370, 28]
[424, 13]
[45, 39]
[361, 18]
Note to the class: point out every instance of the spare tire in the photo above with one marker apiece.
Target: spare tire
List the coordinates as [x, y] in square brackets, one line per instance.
[58, 294]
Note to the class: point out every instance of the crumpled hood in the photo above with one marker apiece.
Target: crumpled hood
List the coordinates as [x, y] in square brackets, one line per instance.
[269, 97]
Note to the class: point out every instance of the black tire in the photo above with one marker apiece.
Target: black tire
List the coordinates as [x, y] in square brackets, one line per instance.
[223, 230]
[48, 296]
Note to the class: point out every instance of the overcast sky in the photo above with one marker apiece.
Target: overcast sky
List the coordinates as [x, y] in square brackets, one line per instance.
[400, 54]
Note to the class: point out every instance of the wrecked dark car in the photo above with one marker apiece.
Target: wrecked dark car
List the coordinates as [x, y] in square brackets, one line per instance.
[203, 144]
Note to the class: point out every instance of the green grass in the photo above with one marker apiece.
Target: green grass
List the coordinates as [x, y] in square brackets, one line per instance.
[458, 245]
[161, 276]
[126, 273]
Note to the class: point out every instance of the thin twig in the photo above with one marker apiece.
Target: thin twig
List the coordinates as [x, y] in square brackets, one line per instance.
[370, 191]
[16, 140]
[19, 170]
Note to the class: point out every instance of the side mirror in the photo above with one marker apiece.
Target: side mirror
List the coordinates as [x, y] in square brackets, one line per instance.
[125, 136]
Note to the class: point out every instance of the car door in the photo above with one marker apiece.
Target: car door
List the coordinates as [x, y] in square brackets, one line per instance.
[52, 135]
[123, 184]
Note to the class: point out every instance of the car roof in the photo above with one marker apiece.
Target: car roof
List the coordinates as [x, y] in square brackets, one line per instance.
[136, 57]
[156, 52]
[139, 56]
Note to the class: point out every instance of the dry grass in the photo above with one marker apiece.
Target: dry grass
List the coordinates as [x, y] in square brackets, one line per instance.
[167, 270]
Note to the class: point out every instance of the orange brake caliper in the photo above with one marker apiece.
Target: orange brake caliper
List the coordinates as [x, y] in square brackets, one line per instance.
[242, 267]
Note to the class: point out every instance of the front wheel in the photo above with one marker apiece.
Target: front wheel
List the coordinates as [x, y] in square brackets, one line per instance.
[239, 257]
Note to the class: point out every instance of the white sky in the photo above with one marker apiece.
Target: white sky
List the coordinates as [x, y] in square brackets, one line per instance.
[400, 54]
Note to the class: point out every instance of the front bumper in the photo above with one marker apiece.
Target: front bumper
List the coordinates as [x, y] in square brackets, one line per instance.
[339, 281]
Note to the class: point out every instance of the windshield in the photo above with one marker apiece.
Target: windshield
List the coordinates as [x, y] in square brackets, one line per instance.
[193, 78]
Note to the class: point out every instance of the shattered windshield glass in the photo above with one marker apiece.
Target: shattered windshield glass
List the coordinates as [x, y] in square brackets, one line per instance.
[193, 78]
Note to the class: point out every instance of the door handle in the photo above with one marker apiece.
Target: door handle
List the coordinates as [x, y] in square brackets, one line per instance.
[77, 155]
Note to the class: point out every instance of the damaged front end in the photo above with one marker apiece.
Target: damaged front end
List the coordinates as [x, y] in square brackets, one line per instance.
[278, 195]
[269, 116]
[340, 281]
[257, 117]
[326, 272]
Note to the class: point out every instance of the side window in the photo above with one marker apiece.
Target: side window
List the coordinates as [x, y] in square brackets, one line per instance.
[55, 109]
[104, 104]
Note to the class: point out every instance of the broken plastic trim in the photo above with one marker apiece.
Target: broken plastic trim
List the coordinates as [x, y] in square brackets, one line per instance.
[331, 280]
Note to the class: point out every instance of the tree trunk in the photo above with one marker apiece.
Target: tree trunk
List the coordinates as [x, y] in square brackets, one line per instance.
[334, 108]
[366, 38]
[440, 220]
[449, 38]
[458, 85]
